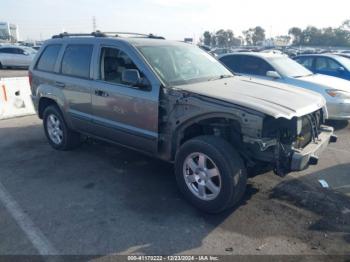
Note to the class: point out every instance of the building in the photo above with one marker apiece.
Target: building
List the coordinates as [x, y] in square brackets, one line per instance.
[8, 32]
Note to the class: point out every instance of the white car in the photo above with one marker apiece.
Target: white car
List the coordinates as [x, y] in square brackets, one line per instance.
[16, 56]
[282, 69]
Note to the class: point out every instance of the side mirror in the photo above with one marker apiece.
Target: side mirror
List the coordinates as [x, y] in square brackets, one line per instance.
[132, 77]
[25, 53]
[273, 74]
[341, 69]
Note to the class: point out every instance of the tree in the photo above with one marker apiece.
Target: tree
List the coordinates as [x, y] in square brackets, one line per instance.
[248, 36]
[221, 38]
[346, 25]
[258, 35]
[207, 38]
[254, 35]
[311, 36]
[282, 40]
[296, 33]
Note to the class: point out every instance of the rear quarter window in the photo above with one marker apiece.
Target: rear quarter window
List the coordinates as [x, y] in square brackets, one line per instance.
[47, 60]
[76, 61]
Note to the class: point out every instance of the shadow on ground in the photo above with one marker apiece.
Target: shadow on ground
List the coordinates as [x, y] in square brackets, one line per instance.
[332, 205]
[338, 124]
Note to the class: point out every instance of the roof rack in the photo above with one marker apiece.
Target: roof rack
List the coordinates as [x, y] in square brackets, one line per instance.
[105, 34]
[65, 34]
[116, 34]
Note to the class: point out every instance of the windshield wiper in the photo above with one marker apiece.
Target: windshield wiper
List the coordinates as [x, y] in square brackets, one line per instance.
[219, 77]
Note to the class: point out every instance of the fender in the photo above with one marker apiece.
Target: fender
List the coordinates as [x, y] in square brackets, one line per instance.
[194, 108]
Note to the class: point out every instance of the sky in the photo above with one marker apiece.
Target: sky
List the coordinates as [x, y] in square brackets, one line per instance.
[173, 19]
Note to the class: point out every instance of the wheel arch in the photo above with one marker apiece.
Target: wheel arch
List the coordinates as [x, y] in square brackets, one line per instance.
[44, 102]
[181, 135]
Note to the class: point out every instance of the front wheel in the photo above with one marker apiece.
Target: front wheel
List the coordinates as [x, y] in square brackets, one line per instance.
[210, 173]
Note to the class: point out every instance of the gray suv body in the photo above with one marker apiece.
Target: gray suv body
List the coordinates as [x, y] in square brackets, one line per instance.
[175, 102]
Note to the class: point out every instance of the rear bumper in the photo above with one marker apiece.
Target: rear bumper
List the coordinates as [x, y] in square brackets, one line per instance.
[35, 101]
[301, 159]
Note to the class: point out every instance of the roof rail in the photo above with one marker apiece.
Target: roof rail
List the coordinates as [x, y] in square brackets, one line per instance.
[116, 34]
[105, 34]
[65, 34]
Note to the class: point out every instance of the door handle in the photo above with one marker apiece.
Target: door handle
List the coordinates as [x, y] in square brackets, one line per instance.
[60, 84]
[101, 93]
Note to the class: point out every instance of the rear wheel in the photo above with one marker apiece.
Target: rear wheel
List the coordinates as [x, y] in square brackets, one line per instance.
[57, 132]
[210, 173]
[1, 66]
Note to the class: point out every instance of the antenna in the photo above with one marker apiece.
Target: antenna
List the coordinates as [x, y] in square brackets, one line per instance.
[94, 26]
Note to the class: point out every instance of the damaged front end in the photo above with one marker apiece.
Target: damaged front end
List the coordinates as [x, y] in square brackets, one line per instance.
[291, 145]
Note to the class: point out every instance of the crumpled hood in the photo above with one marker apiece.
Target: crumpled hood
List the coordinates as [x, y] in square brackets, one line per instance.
[274, 99]
[328, 82]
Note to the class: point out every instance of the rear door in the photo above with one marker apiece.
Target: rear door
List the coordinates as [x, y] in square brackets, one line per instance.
[307, 62]
[17, 57]
[21, 57]
[327, 66]
[25, 57]
[7, 56]
[124, 114]
[74, 80]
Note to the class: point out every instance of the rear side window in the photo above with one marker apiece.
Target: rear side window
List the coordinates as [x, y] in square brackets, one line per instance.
[76, 60]
[305, 61]
[48, 58]
[232, 62]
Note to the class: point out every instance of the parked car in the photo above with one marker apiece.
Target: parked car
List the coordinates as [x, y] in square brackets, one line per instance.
[282, 69]
[346, 55]
[37, 47]
[16, 56]
[326, 64]
[220, 51]
[273, 51]
[175, 102]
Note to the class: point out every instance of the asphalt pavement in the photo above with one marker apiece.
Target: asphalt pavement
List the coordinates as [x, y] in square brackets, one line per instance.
[102, 199]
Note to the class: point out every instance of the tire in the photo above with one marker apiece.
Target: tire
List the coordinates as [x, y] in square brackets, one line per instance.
[60, 137]
[1, 67]
[219, 158]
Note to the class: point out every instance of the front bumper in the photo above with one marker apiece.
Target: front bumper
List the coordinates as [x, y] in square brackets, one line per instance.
[339, 111]
[302, 158]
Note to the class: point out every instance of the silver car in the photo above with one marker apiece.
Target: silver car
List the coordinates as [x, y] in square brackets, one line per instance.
[175, 102]
[16, 56]
[282, 69]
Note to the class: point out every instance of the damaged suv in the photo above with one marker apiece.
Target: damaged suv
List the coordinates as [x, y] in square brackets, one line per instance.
[173, 101]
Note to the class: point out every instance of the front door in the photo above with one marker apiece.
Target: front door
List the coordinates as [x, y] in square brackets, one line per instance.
[124, 114]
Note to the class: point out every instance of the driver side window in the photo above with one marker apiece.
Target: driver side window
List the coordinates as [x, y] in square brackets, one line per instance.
[112, 64]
